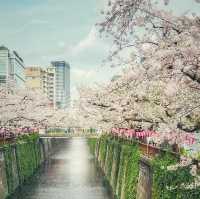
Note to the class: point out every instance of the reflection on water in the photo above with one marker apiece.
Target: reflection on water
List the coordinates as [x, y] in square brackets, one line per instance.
[69, 174]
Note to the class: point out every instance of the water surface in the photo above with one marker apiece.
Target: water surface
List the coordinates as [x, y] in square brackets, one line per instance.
[69, 174]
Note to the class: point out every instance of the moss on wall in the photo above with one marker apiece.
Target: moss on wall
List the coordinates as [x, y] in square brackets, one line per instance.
[121, 172]
[109, 160]
[120, 162]
[21, 160]
[115, 165]
[28, 157]
[11, 168]
[132, 171]
[102, 151]
[92, 144]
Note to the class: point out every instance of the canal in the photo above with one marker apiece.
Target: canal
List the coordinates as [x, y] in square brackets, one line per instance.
[69, 174]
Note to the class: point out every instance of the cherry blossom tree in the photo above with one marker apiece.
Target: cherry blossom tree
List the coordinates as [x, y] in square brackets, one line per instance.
[165, 49]
[132, 23]
[137, 101]
[22, 108]
[160, 88]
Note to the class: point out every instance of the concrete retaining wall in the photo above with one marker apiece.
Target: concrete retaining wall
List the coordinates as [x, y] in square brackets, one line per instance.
[144, 187]
[128, 173]
[46, 148]
[3, 183]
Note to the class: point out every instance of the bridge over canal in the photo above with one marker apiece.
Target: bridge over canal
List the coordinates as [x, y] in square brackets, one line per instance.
[71, 135]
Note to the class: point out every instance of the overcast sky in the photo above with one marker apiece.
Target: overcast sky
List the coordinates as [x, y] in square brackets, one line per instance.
[45, 30]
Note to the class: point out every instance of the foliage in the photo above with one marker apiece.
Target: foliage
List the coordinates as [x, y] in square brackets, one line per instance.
[172, 183]
[121, 167]
[109, 160]
[115, 165]
[9, 163]
[159, 90]
[21, 160]
[92, 144]
[24, 108]
[132, 173]
[28, 138]
[102, 151]
[122, 170]
[28, 157]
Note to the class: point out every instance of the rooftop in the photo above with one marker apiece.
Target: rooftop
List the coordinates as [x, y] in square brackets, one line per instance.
[3, 48]
[60, 63]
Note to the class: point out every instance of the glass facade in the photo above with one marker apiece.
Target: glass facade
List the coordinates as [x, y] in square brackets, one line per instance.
[11, 67]
[18, 69]
[4, 64]
[62, 84]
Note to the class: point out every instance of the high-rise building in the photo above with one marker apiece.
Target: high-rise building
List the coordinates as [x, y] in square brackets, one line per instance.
[38, 78]
[61, 84]
[11, 67]
[54, 82]
[4, 64]
[50, 84]
[18, 66]
[35, 78]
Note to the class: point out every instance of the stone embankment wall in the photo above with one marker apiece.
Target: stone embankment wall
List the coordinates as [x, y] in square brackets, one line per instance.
[134, 176]
[19, 161]
[126, 170]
